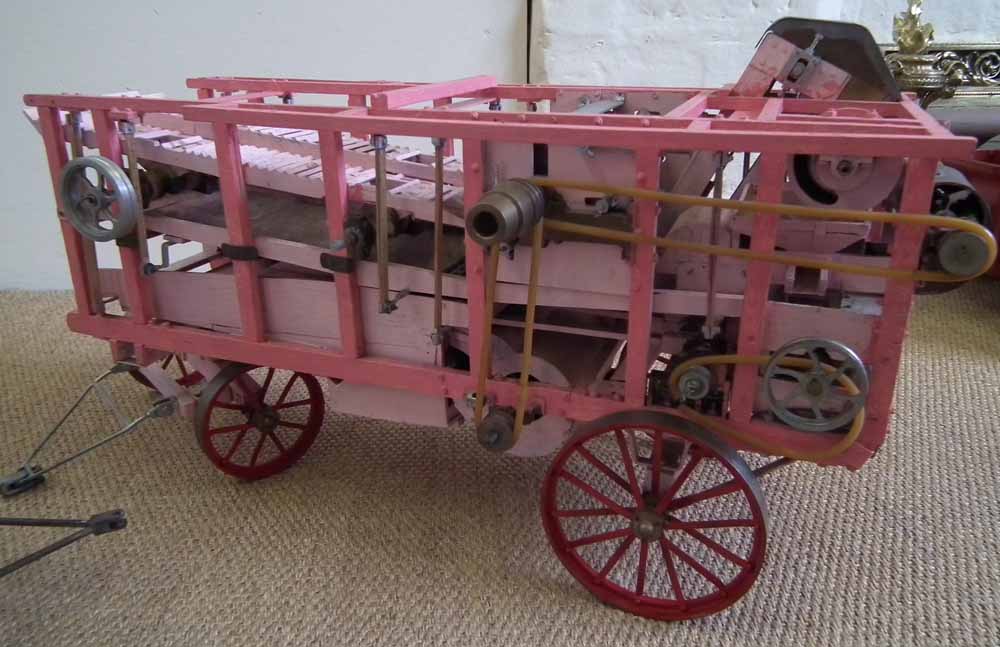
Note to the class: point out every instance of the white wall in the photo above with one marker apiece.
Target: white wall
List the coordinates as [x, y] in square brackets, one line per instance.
[704, 43]
[107, 46]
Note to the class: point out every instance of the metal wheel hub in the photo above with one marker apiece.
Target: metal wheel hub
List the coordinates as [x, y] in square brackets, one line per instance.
[266, 419]
[648, 525]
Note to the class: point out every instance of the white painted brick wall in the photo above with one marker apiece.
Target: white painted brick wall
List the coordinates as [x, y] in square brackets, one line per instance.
[706, 42]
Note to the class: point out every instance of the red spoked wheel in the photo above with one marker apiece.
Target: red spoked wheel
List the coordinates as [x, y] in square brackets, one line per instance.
[254, 422]
[185, 375]
[655, 516]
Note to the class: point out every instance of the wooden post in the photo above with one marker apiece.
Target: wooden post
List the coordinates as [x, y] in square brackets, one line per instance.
[753, 316]
[233, 185]
[475, 257]
[331, 146]
[643, 264]
[886, 347]
[139, 299]
[76, 252]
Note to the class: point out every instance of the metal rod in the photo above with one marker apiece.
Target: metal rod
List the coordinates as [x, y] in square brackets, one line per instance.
[75, 134]
[529, 328]
[43, 523]
[486, 352]
[381, 224]
[48, 550]
[156, 411]
[438, 236]
[52, 432]
[713, 260]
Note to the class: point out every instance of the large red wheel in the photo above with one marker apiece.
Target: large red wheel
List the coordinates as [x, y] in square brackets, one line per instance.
[255, 422]
[655, 516]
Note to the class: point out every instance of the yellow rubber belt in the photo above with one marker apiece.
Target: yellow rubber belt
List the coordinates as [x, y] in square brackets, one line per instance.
[781, 209]
[713, 424]
[746, 206]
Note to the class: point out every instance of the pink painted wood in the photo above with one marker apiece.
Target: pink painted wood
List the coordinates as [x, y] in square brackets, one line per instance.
[643, 264]
[751, 337]
[775, 128]
[232, 184]
[475, 258]
[886, 348]
[55, 149]
[140, 299]
[428, 92]
[348, 296]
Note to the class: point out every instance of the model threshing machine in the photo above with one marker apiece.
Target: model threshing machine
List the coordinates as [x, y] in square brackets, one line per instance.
[574, 282]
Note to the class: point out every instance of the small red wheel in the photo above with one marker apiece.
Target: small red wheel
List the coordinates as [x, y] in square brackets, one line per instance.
[655, 516]
[254, 422]
[185, 376]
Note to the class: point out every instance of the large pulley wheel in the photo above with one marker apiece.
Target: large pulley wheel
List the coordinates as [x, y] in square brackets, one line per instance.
[98, 198]
[254, 422]
[655, 516]
[804, 389]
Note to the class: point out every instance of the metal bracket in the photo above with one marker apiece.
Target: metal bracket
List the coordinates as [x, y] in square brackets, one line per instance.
[30, 475]
[338, 264]
[99, 524]
[239, 252]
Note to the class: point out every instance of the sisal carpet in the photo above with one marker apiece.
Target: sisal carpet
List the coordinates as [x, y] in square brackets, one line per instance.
[393, 535]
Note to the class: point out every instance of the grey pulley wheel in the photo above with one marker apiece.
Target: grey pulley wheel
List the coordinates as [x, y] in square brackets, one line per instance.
[810, 396]
[99, 199]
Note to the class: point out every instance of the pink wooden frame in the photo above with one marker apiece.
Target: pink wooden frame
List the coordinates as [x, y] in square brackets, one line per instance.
[774, 127]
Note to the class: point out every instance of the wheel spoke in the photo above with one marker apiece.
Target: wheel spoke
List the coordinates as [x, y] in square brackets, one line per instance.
[695, 564]
[588, 489]
[604, 536]
[236, 443]
[787, 372]
[629, 468]
[602, 467]
[586, 512]
[657, 463]
[229, 429]
[712, 523]
[293, 425]
[616, 556]
[274, 439]
[675, 582]
[256, 450]
[678, 483]
[640, 576]
[817, 411]
[711, 493]
[296, 403]
[288, 387]
[718, 548]
[266, 384]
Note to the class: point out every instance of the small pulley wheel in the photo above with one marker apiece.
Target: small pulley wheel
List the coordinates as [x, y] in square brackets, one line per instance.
[802, 383]
[99, 199]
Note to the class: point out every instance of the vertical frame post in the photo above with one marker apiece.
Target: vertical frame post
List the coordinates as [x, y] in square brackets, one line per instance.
[139, 298]
[76, 251]
[886, 346]
[233, 185]
[754, 312]
[475, 257]
[331, 147]
[643, 264]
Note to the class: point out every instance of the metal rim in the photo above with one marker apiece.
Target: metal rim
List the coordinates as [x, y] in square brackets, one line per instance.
[668, 522]
[254, 422]
[105, 210]
[816, 386]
